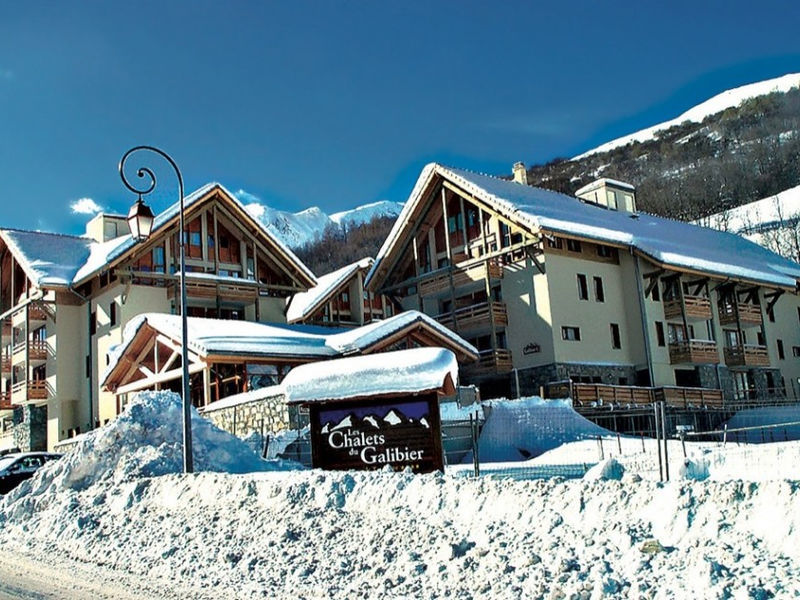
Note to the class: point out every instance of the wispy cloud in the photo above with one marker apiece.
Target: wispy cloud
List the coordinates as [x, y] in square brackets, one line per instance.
[85, 206]
[252, 203]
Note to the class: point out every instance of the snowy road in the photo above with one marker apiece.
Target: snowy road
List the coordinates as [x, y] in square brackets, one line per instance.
[25, 578]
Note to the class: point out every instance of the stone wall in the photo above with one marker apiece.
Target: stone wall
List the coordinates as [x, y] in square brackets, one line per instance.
[532, 379]
[30, 428]
[257, 416]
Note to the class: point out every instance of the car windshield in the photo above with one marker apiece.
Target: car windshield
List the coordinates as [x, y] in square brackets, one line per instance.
[6, 461]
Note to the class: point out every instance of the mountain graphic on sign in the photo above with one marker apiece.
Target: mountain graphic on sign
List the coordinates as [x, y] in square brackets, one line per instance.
[344, 423]
[372, 420]
[394, 418]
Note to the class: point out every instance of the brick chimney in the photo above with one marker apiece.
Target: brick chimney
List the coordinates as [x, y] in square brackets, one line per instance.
[520, 173]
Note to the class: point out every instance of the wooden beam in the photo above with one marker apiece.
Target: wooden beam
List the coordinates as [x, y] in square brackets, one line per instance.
[159, 378]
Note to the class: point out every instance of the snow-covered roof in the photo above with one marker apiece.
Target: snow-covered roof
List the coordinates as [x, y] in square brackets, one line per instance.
[672, 243]
[402, 372]
[604, 181]
[304, 304]
[214, 337]
[50, 259]
[53, 259]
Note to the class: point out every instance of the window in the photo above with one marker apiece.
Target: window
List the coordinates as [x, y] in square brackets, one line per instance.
[611, 197]
[583, 289]
[795, 350]
[660, 333]
[599, 294]
[781, 354]
[455, 223]
[573, 245]
[616, 343]
[88, 366]
[112, 313]
[760, 339]
[605, 251]
[557, 244]
[572, 334]
[798, 313]
[771, 314]
[251, 268]
[93, 323]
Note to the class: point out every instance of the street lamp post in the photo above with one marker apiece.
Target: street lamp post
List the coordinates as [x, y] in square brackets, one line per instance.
[141, 221]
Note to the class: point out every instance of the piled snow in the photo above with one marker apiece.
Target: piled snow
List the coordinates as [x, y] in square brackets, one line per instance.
[754, 218]
[146, 440]
[521, 429]
[411, 371]
[121, 511]
[696, 114]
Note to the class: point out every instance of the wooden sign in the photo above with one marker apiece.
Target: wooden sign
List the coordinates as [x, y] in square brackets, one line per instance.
[373, 433]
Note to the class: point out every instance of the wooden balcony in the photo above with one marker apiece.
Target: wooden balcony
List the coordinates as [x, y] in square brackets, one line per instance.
[746, 355]
[37, 312]
[587, 393]
[37, 350]
[6, 328]
[697, 307]
[693, 352]
[584, 394]
[491, 362]
[476, 316]
[684, 397]
[225, 288]
[5, 366]
[36, 390]
[5, 401]
[439, 281]
[749, 314]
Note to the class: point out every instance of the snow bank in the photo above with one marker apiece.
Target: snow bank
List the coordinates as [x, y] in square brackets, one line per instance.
[525, 428]
[145, 441]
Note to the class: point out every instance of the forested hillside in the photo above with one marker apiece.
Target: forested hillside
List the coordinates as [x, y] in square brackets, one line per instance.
[695, 169]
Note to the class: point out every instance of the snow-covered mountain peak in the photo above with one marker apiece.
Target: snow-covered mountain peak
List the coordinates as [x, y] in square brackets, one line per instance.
[303, 227]
[724, 100]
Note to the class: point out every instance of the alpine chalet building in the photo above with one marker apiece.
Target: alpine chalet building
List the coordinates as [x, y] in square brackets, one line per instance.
[65, 300]
[550, 287]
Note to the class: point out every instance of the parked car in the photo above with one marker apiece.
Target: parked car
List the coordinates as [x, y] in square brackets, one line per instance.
[16, 468]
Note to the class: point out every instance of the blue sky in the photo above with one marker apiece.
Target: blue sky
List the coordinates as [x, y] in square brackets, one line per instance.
[337, 104]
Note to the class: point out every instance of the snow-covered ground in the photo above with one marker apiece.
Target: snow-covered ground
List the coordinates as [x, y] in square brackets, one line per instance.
[116, 505]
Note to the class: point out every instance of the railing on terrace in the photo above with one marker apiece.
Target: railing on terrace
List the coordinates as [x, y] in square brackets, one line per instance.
[693, 351]
[585, 394]
[491, 362]
[749, 314]
[746, 355]
[439, 281]
[697, 307]
[36, 389]
[477, 315]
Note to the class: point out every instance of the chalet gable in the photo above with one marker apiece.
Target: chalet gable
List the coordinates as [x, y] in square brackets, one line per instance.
[221, 238]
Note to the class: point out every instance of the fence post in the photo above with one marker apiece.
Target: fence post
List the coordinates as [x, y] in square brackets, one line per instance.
[234, 420]
[476, 463]
[664, 435]
[658, 441]
[600, 442]
[619, 444]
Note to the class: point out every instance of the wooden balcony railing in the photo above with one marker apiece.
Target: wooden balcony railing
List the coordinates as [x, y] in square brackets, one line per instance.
[439, 281]
[6, 328]
[584, 394]
[693, 351]
[746, 355]
[749, 314]
[697, 307]
[37, 312]
[475, 316]
[210, 288]
[5, 363]
[491, 362]
[36, 389]
[5, 401]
